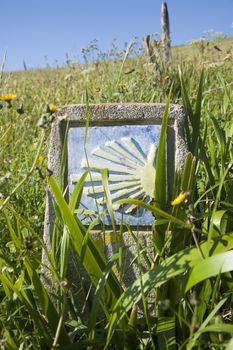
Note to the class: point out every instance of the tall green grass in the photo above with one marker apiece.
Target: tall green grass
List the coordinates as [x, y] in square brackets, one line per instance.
[190, 270]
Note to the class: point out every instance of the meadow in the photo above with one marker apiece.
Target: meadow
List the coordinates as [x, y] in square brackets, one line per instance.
[191, 268]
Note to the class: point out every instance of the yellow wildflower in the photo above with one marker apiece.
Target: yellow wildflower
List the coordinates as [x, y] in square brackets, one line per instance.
[180, 199]
[115, 270]
[122, 87]
[7, 97]
[41, 159]
[194, 93]
[53, 108]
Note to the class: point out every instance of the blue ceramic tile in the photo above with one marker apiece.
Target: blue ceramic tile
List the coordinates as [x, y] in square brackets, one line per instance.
[128, 152]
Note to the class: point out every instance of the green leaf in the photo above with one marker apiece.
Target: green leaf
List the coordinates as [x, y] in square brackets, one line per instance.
[84, 344]
[10, 343]
[31, 309]
[178, 211]
[64, 253]
[65, 241]
[42, 297]
[229, 345]
[209, 267]
[197, 114]
[220, 220]
[64, 159]
[171, 267]
[77, 192]
[219, 328]
[203, 326]
[127, 51]
[87, 119]
[189, 117]
[93, 261]
[166, 333]
[205, 160]
[204, 294]
[105, 174]
[98, 295]
[220, 134]
[161, 162]
[188, 175]
[185, 97]
[221, 138]
[46, 304]
[160, 193]
[154, 210]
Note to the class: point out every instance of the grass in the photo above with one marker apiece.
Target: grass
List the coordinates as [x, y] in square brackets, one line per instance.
[191, 268]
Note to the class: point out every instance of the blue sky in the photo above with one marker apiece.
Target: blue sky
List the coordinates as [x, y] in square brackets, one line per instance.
[42, 32]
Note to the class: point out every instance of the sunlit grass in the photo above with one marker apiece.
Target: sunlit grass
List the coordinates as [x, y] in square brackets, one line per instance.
[191, 233]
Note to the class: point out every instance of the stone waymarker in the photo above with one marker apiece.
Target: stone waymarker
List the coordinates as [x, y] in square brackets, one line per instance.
[122, 138]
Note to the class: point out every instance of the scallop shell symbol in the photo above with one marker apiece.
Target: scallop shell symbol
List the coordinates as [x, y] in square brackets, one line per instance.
[131, 172]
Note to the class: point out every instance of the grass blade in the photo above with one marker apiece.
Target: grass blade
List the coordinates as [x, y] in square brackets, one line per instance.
[93, 260]
[154, 210]
[171, 267]
[202, 328]
[211, 266]
[160, 194]
[197, 114]
[104, 174]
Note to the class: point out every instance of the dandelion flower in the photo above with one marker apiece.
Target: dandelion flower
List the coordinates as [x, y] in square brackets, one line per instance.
[41, 159]
[180, 199]
[7, 97]
[53, 108]
[122, 87]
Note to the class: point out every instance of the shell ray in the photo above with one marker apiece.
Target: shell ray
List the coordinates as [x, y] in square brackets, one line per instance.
[135, 148]
[118, 160]
[122, 150]
[131, 172]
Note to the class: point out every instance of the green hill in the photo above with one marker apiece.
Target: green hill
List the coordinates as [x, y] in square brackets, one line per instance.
[207, 51]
